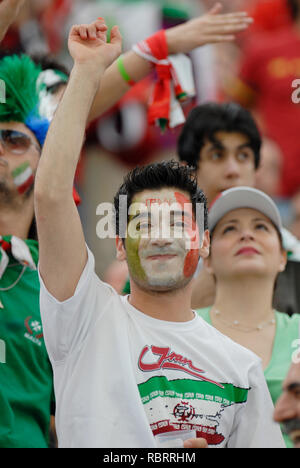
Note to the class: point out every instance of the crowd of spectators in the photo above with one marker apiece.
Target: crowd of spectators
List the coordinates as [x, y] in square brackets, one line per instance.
[257, 72]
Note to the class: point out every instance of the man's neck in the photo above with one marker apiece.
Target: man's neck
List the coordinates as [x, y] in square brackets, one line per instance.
[173, 306]
[16, 221]
[247, 300]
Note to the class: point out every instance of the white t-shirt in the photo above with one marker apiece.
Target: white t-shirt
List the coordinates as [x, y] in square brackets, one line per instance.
[121, 376]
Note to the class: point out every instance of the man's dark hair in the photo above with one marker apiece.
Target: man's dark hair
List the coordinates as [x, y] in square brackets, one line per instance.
[205, 120]
[158, 176]
[294, 8]
[49, 62]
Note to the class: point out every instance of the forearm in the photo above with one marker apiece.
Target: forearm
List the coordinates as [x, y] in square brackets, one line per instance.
[55, 175]
[180, 39]
[61, 239]
[113, 86]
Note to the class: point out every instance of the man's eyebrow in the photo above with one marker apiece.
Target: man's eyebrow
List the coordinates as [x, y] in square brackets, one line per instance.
[181, 213]
[219, 145]
[293, 386]
[143, 214]
[215, 144]
[147, 214]
[244, 145]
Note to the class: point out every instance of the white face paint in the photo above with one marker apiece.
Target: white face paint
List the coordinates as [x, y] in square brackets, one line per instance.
[160, 256]
[48, 100]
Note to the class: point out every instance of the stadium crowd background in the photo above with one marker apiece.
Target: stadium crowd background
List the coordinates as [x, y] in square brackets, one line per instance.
[122, 137]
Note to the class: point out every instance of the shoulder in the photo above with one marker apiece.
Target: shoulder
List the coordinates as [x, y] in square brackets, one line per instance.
[90, 288]
[287, 322]
[204, 313]
[228, 348]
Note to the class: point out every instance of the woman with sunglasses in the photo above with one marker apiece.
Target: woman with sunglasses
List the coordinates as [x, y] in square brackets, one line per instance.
[245, 258]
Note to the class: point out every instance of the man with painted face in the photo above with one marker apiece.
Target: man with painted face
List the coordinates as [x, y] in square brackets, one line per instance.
[223, 144]
[128, 369]
[25, 412]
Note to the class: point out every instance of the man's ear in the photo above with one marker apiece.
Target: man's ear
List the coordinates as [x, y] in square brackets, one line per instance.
[121, 251]
[204, 249]
[207, 265]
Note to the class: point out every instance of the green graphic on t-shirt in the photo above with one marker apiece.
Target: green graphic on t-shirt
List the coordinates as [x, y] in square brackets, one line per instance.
[186, 404]
[160, 386]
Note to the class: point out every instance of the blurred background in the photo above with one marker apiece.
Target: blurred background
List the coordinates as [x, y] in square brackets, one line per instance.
[257, 71]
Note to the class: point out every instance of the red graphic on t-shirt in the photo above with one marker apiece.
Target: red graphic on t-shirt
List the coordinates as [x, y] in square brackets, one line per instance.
[170, 360]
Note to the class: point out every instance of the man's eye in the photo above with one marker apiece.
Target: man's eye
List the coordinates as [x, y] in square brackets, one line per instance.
[216, 156]
[243, 156]
[143, 226]
[178, 224]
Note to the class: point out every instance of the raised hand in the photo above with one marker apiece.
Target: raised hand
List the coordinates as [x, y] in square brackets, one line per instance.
[212, 27]
[88, 44]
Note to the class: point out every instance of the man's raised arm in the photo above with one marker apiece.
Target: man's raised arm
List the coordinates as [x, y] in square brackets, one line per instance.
[62, 246]
[212, 27]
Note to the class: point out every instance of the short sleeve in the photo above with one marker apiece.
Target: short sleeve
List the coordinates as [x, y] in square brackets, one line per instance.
[67, 324]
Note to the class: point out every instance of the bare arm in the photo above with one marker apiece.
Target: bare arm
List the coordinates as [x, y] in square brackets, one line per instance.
[206, 29]
[9, 10]
[62, 246]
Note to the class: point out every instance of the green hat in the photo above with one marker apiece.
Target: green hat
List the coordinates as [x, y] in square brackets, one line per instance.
[20, 75]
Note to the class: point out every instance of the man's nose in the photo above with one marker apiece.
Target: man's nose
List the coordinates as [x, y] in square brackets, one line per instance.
[284, 408]
[160, 235]
[232, 168]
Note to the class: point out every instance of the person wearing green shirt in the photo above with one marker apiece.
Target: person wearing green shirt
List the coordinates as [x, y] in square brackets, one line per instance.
[26, 392]
[245, 259]
[26, 381]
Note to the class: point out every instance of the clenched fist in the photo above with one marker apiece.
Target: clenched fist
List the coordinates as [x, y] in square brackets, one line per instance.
[88, 44]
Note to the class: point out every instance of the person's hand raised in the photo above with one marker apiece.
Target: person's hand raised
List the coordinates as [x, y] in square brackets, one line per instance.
[88, 44]
[212, 27]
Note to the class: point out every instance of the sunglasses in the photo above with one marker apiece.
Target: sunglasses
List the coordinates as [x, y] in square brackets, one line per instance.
[16, 142]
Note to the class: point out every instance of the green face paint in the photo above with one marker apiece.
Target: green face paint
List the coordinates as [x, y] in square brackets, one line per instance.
[133, 259]
[23, 177]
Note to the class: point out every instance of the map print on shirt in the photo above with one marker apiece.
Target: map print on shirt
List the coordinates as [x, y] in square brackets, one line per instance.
[184, 404]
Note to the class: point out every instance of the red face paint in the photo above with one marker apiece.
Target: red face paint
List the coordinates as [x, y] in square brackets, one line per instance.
[158, 201]
[192, 257]
[23, 177]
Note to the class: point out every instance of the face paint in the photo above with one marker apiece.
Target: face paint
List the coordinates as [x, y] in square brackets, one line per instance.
[162, 262]
[192, 257]
[132, 244]
[23, 177]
